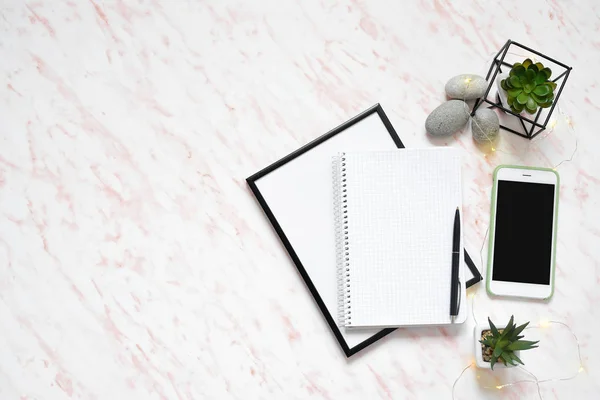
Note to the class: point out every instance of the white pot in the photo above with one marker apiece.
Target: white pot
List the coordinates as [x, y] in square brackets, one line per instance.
[501, 92]
[479, 353]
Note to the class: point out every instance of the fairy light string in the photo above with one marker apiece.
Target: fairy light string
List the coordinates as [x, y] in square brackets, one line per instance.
[543, 324]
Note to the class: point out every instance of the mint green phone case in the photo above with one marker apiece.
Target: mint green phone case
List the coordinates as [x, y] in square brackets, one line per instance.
[488, 277]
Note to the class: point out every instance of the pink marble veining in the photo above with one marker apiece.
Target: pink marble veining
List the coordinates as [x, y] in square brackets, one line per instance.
[135, 263]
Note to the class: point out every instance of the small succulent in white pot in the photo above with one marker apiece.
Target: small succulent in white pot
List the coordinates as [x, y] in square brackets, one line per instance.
[527, 87]
[500, 346]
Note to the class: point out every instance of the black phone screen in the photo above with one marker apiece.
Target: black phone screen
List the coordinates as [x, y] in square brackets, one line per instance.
[523, 232]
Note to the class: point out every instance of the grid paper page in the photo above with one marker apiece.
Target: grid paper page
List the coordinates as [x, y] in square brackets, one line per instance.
[401, 207]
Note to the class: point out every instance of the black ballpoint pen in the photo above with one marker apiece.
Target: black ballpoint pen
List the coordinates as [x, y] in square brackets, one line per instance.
[455, 283]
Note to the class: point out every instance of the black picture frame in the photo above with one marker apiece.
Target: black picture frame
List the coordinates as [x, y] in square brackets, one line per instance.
[251, 181]
[496, 67]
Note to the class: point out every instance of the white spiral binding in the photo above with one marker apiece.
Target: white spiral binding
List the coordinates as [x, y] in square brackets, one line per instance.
[341, 235]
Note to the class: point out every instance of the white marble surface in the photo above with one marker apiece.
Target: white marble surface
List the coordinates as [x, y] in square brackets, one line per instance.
[134, 261]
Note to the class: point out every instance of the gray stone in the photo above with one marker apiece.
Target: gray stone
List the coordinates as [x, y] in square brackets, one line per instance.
[466, 87]
[447, 118]
[485, 126]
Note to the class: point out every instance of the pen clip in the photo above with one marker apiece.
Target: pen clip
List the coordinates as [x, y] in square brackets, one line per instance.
[459, 294]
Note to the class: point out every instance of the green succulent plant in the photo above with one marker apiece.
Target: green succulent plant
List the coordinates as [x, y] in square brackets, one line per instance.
[505, 342]
[528, 87]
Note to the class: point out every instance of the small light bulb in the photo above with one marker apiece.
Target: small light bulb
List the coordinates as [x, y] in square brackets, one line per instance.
[493, 149]
[568, 121]
[553, 124]
[498, 387]
[544, 323]
[467, 80]
[581, 369]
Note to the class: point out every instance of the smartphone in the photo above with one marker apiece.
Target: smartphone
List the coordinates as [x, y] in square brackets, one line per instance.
[522, 244]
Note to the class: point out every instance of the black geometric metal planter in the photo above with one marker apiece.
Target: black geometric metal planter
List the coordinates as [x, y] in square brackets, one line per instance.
[529, 125]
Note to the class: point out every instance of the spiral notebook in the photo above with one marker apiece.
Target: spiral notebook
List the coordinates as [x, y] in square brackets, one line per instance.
[394, 215]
